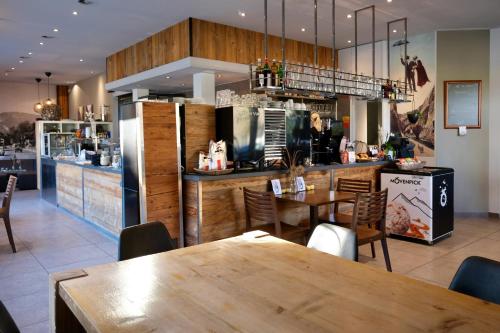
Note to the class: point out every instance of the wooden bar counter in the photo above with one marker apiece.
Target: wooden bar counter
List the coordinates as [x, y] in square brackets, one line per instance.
[214, 207]
[91, 193]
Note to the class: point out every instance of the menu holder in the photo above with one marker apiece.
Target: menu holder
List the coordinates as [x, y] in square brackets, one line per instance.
[462, 104]
[276, 186]
[301, 185]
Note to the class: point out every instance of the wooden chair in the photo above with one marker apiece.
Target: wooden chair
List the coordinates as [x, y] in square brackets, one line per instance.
[5, 210]
[144, 239]
[349, 185]
[262, 214]
[334, 240]
[7, 324]
[478, 277]
[368, 220]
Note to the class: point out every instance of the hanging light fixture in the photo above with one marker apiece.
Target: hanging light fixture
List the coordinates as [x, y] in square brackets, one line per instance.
[38, 106]
[48, 101]
[50, 110]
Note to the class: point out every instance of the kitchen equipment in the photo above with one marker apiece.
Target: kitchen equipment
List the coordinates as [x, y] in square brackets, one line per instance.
[420, 203]
[298, 133]
[243, 130]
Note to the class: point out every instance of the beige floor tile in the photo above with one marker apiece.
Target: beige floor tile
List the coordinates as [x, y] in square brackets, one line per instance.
[42, 327]
[29, 310]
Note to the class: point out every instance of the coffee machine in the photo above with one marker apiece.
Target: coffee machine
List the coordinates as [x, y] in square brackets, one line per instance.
[326, 143]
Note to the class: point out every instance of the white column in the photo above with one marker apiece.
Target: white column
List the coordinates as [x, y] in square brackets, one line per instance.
[204, 87]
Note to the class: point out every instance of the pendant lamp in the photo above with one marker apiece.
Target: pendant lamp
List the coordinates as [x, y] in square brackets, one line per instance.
[38, 106]
[50, 110]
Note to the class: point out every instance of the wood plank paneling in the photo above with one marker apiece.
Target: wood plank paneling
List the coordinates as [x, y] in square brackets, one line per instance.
[209, 40]
[70, 188]
[161, 165]
[63, 100]
[199, 123]
[103, 199]
[215, 208]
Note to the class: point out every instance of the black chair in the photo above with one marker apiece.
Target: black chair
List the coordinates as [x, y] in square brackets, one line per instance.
[144, 239]
[478, 277]
[7, 324]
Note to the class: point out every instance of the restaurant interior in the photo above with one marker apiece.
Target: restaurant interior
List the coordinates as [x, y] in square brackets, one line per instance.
[249, 166]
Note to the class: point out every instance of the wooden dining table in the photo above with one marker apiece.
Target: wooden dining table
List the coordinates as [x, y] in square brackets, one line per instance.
[256, 283]
[316, 198]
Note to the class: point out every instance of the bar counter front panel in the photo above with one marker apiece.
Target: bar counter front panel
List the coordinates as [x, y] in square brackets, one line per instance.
[91, 193]
[214, 208]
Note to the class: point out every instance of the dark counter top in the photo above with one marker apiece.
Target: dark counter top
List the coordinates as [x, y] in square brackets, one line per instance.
[197, 177]
[92, 167]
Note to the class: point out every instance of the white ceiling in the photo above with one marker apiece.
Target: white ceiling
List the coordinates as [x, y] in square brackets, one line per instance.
[107, 26]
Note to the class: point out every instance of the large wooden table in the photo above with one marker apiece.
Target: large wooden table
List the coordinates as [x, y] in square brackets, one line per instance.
[257, 284]
[316, 198]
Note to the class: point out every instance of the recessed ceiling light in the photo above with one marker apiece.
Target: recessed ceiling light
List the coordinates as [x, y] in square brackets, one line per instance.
[6, 74]
[242, 14]
[389, 1]
[183, 84]
[394, 31]
[41, 43]
[349, 16]
[75, 12]
[12, 68]
[349, 41]
[21, 61]
[167, 77]
[91, 72]
[81, 60]
[55, 30]
[303, 29]
[30, 53]
[219, 76]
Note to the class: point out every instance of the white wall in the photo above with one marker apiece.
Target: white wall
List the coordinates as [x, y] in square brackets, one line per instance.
[494, 122]
[21, 97]
[464, 55]
[92, 91]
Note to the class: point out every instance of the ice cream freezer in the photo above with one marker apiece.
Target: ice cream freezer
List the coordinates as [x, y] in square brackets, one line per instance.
[420, 203]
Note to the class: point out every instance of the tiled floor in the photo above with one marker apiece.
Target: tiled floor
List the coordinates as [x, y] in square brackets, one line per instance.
[49, 240]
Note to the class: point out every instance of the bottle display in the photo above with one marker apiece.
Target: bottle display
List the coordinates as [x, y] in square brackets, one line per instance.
[259, 75]
[267, 73]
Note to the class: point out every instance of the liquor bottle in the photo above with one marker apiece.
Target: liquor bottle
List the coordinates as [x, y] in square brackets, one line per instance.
[259, 75]
[279, 80]
[274, 73]
[267, 73]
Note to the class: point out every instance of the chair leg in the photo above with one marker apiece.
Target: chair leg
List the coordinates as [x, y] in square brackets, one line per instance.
[6, 221]
[386, 254]
[373, 249]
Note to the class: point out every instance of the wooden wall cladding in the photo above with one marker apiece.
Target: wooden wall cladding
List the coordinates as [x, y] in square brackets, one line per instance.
[161, 165]
[103, 199]
[69, 183]
[209, 40]
[166, 46]
[226, 43]
[214, 209]
[199, 122]
[63, 100]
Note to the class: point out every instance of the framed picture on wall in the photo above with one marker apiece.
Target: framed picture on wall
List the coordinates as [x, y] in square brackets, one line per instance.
[462, 103]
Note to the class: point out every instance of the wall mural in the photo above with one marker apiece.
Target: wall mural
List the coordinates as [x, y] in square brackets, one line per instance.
[420, 66]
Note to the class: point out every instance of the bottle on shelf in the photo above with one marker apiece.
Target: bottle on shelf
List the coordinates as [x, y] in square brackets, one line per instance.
[259, 75]
[267, 73]
[279, 80]
[274, 74]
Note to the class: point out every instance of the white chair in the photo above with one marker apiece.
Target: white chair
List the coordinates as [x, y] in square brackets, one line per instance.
[334, 240]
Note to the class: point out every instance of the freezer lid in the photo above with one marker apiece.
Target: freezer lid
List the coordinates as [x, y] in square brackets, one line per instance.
[426, 171]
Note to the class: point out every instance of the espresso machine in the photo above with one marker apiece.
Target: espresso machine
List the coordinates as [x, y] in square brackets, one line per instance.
[326, 142]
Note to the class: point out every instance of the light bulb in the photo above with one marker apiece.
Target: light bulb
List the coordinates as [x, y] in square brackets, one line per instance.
[48, 101]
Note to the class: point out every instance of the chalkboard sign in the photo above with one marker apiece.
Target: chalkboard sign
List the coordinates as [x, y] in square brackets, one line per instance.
[462, 104]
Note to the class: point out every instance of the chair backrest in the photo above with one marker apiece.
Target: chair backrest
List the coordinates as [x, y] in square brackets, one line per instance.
[370, 208]
[334, 240]
[9, 190]
[478, 277]
[144, 239]
[354, 185]
[260, 207]
[7, 324]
